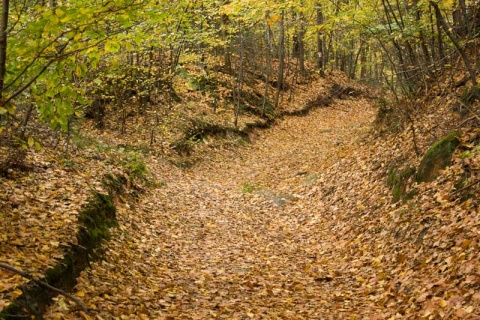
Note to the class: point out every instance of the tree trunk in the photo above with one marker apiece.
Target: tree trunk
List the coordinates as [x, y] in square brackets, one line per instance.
[460, 19]
[299, 44]
[239, 78]
[281, 59]
[3, 46]
[455, 42]
[363, 62]
[227, 56]
[320, 41]
[268, 68]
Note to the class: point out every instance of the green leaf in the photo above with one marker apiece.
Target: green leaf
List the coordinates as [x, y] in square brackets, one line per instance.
[59, 12]
[31, 142]
[38, 146]
[10, 109]
[78, 71]
[112, 46]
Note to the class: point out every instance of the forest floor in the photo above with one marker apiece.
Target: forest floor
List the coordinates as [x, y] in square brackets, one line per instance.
[236, 236]
[298, 224]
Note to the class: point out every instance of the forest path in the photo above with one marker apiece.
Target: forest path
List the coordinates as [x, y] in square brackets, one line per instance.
[231, 238]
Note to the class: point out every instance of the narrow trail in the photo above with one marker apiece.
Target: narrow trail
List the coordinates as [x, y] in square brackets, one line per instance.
[231, 238]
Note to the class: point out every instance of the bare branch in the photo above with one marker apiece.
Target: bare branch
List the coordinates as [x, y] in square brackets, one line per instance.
[46, 285]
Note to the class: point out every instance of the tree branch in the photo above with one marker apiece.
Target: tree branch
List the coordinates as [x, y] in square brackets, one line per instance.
[46, 285]
[438, 15]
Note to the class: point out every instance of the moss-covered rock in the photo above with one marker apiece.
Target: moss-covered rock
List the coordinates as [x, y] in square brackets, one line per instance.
[437, 157]
[398, 181]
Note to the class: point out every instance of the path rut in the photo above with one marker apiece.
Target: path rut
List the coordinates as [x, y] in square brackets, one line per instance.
[205, 246]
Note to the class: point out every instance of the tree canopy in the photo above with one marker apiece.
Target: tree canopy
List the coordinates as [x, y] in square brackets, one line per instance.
[56, 58]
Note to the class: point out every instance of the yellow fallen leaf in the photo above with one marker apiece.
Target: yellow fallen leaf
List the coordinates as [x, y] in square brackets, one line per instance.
[466, 243]
[16, 293]
[442, 303]
[85, 316]
[469, 309]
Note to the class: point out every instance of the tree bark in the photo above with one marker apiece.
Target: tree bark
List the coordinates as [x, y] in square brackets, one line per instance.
[281, 59]
[268, 68]
[299, 44]
[239, 78]
[455, 42]
[224, 33]
[320, 41]
[3, 46]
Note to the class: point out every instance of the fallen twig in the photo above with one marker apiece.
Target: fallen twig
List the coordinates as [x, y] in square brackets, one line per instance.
[466, 187]
[46, 285]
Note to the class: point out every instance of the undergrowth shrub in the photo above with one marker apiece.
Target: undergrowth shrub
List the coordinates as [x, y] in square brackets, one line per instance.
[134, 163]
[12, 154]
[390, 117]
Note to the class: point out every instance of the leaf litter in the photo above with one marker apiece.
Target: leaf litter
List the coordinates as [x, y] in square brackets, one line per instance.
[201, 248]
[204, 247]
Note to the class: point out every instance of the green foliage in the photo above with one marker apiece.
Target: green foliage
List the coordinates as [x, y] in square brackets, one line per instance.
[248, 187]
[132, 159]
[97, 217]
[68, 163]
[134, 163]
[398, 181]
[55, 49]
[201, 82]
[60, 59]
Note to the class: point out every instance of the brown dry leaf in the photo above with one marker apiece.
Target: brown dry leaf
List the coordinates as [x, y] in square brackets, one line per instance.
[241, 235]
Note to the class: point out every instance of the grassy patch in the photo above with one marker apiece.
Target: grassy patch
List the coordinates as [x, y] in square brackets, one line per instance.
[248, 187]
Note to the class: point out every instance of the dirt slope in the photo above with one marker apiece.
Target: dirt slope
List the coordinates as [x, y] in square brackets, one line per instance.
[232, 237]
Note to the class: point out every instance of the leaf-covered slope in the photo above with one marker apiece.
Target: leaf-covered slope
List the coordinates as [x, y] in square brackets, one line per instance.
[298, 225]
[204, 246]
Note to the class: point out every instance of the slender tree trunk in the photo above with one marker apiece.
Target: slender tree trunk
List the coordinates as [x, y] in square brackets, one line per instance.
[354, 61]
[3, 46]
[288, 56]
[296, 71]
[403, 76]
[460, 19]
[281, 59]
[441, 48]
[320, 41]
[363, 63]
[455, 42]
[227, 56]
[239, 78]
[268, 68]
[300, 45]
